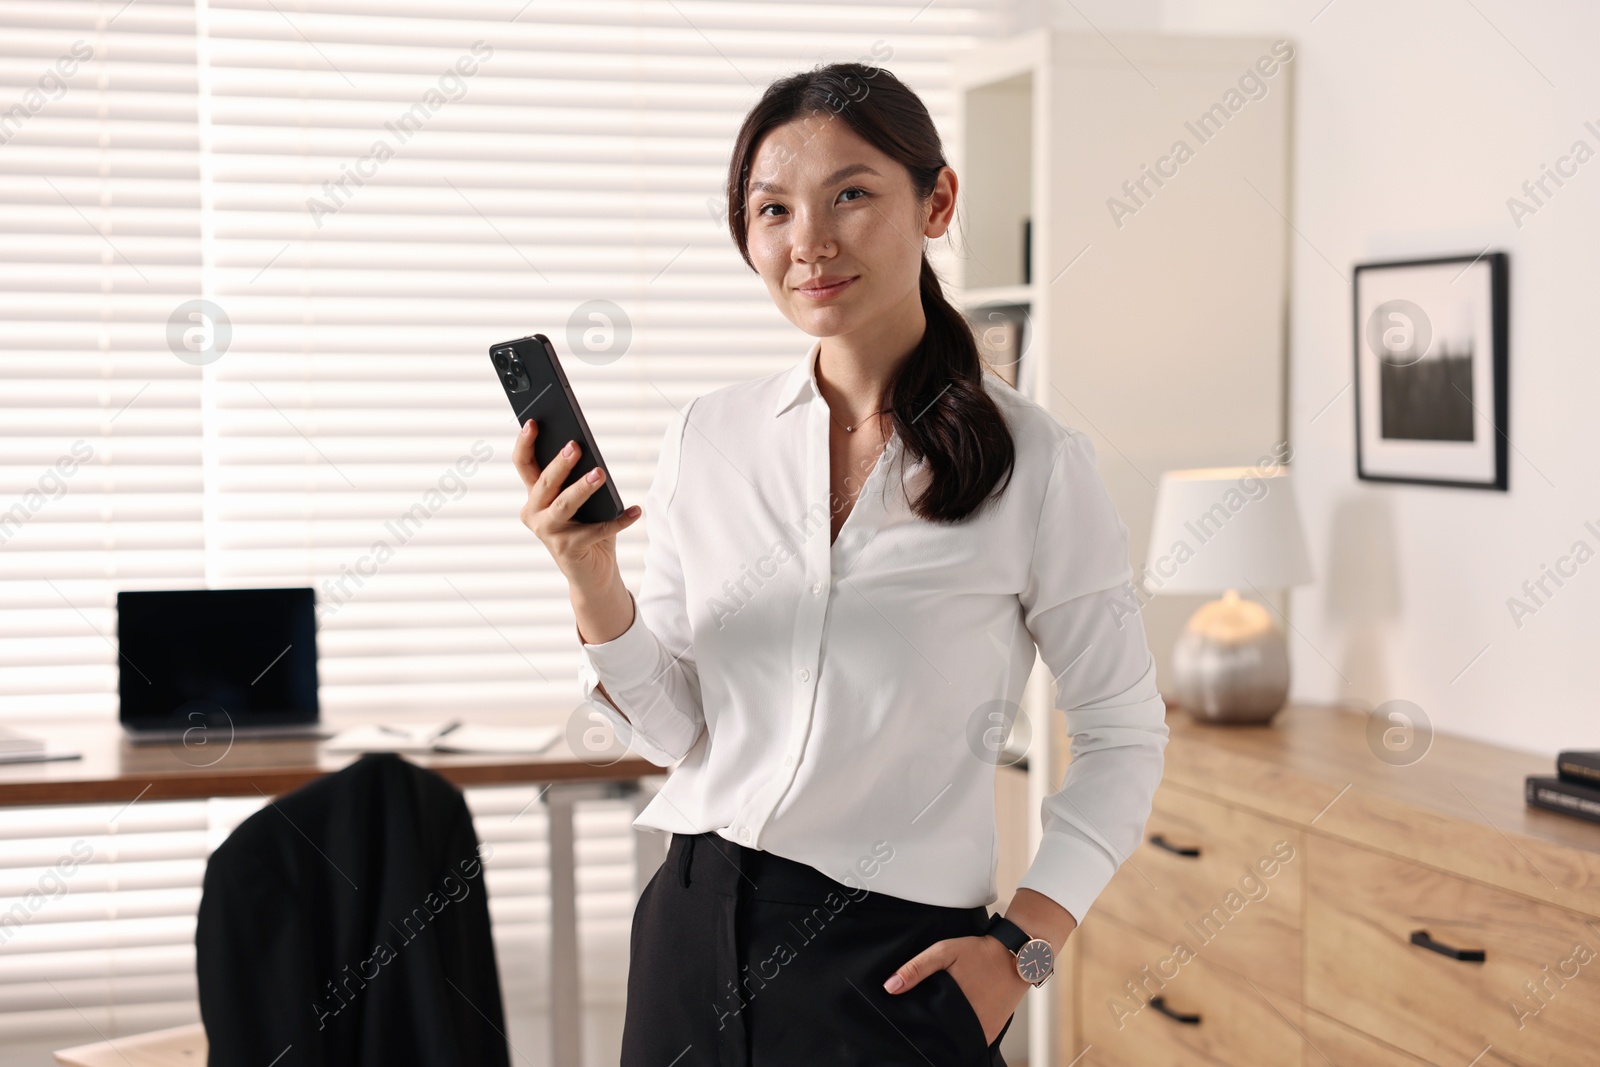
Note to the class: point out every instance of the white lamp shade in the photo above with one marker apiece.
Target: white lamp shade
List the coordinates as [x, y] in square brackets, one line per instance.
[1221, 528]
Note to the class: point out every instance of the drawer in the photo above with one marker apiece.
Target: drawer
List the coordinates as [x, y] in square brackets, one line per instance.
[1329, 1042]
[1123, 971]
[1362, 969]
[1229, 885]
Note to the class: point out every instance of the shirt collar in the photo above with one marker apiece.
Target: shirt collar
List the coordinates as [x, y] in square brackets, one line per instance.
[801, 382]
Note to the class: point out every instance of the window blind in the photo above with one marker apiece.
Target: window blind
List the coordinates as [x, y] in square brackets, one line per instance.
[254, 253]
[395, 192]
[100, 238]
[365, 196]
[98, 918]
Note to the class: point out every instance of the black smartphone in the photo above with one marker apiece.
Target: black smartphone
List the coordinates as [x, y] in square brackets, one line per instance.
[539, 390]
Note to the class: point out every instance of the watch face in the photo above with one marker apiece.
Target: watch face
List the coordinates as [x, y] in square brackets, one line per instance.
[1035, 961]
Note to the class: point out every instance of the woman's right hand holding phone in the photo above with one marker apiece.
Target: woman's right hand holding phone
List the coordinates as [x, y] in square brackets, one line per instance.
[585, 552]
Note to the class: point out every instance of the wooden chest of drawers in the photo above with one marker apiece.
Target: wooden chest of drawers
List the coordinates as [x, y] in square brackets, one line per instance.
[1300, 902]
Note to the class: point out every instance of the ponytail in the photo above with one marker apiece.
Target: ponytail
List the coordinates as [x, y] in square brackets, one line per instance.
[945, 415]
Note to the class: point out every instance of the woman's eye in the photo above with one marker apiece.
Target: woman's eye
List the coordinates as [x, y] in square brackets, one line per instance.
[761, 212]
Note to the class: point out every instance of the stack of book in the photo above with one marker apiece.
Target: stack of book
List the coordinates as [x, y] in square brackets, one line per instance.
[1575, 788]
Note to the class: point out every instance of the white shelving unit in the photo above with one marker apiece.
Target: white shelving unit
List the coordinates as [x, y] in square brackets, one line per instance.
[998, 294]
[1160, 327]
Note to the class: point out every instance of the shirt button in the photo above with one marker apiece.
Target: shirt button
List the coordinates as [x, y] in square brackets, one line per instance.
[804, 674]
[744, 834]
[788, 761]
[816, 589]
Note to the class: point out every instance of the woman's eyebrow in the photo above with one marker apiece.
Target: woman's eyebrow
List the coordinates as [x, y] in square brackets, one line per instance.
[837, 176]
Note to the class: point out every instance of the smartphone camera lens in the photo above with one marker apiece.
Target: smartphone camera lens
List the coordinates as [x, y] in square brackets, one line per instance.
[502, 357]
[519, 376]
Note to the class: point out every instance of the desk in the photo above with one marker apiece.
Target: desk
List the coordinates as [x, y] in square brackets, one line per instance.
[113, 770]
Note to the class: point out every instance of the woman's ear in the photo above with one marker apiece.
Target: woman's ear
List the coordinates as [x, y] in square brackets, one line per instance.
[941, 204]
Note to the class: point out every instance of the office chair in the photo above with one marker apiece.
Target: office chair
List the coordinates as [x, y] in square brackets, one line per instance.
[347, 923]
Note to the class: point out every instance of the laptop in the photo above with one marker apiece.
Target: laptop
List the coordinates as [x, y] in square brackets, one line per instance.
[237, 663]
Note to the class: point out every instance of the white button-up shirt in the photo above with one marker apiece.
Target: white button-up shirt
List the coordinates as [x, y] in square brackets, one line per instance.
[843, 704]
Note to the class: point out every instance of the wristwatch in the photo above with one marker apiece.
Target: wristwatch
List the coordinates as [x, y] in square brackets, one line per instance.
[1035, 959]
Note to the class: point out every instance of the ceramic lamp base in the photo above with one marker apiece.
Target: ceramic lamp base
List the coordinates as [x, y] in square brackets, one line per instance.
[1231, 665]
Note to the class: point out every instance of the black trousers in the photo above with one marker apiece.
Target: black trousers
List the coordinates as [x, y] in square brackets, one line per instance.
[741, 958]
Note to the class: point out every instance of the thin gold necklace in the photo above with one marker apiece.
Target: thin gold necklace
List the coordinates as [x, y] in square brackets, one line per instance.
[852, 429]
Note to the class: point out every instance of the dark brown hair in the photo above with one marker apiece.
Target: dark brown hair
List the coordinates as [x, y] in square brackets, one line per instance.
[937, 398]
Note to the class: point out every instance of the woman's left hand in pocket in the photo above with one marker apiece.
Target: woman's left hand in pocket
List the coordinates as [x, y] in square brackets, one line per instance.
[985, 970]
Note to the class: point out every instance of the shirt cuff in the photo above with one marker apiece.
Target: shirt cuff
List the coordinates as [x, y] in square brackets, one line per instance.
[628, 659]
[1070, 871]
[623, 729]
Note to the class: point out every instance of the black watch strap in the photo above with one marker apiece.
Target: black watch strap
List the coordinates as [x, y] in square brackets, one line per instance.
[1006, 932]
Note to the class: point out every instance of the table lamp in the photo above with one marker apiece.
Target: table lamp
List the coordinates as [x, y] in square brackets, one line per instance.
[1217, 530]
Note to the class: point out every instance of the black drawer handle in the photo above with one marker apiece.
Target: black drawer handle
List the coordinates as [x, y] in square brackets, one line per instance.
[1421, 939]
[1160, 841]
[1160, 1004]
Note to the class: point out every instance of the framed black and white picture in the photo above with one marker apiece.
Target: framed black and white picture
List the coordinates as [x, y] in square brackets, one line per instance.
[1431, 371]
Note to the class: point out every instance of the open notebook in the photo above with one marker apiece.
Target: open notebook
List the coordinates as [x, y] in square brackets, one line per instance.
[443, 737]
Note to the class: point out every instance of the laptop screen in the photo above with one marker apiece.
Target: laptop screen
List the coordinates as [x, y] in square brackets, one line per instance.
[217, 657]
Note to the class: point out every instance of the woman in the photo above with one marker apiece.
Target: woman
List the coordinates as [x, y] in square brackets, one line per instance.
[834, 707]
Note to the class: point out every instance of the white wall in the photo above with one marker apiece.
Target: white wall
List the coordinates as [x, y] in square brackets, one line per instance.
[1414, 122]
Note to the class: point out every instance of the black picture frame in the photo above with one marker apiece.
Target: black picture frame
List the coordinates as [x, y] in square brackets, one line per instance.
[1421, 444]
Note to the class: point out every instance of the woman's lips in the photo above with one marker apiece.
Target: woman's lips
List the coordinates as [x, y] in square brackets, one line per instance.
[826, 292]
